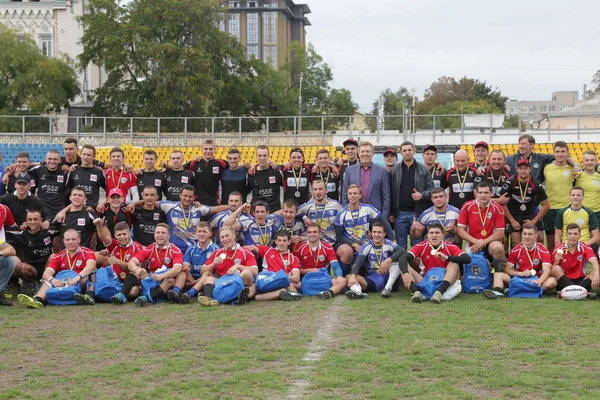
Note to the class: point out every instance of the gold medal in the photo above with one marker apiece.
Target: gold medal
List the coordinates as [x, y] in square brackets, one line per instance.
[433, 252]
[358, 232]
[223, 256]
[122, 275]
[483, 232]
[532, 272]
[324, 224]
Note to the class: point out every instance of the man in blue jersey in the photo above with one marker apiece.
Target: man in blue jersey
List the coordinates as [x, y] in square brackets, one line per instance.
[440, 213]
[321, 210]
[287, 219]
[242, 220]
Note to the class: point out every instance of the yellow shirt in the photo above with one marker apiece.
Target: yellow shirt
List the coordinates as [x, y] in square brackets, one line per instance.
[559, 181]
[584, 217]
[591, 190]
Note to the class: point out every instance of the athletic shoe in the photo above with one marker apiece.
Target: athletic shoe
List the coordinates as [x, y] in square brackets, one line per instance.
[84, 299]
[141, 300]
[436, 298]
[356, 296]
[29, 302]
[118, 298]
[289, 296]
[418, 297]
[326, 295]
[7, 293]
[174, 296]
[207, 301]
[492, 294]
[356, 288]
[243, 297]
[185, 298]
[28, 288]
[4, 302]
[386, 293]
[592, 296]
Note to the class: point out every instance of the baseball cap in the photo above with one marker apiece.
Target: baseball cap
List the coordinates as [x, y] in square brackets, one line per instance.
[297, 150]
[390, 151]
[430, 147]
[116, 191]
[25, 178]
[351, 142]
[523, 162]
[482, 143]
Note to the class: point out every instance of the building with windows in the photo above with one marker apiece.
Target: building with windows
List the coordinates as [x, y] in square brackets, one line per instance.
[266, 27]
[53, 26]
[532, 111]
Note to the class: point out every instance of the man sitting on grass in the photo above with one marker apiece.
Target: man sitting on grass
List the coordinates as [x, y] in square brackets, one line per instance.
[195, 257]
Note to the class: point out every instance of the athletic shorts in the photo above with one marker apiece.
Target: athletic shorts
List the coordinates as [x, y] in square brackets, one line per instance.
[578, 282]
[549, 221]
[375, 282]
[510, 229]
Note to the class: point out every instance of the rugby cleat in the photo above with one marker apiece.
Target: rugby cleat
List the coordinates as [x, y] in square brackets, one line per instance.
[118, 298]
[7, 293]
[436, 298]
[356, 296]
[591, 296]
[185, 298]
[4, 302]
[84, 299]
[326, 295]
[289, 296]
[174, 296]
[243, 297]
[492, 294]
[28, 288]
[29, 302]
[207, 301]
[386, 293]
[418, 297]
[141, 300]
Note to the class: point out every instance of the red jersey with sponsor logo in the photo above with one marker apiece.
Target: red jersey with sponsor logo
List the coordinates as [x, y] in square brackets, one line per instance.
[235, 256]
[274, 261]
[525, 260]
[316, 258]
[423, 252]
[64, 262]
[119, 179]
[169, 256]
[477, 219]
[124, 254]
[574, 263]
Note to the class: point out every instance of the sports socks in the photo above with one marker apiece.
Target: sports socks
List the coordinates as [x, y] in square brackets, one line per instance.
[129, 283]
[394, 274]
[192, 292]
[444, 286]
[176, 289]
[208, 290]
[413, 287]
[498, 289]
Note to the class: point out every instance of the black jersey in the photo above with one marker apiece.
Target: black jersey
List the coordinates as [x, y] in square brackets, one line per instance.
[63, 161]
[496, 178]
[207, 176]
[296, 184]
[144, 223]
[82, 221]
[91, 179]
[154, 178]
[19, 208]
[331, 183]
[524, 197]
[12, 179]
[266, 185]
[32, 248]
[113, 218]
[461, 185]
[50, 188]
[174, 181]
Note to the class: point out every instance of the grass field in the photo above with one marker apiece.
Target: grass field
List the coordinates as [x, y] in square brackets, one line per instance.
[469, 348]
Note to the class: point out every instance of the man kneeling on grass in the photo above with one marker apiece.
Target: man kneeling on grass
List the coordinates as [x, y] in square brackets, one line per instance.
[74, 257]
[374, 260]
[230, 259]
[433, 253]
[161, 255]
[280, 259]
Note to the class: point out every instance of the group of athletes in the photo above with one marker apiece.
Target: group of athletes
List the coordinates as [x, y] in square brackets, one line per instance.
[199, 220]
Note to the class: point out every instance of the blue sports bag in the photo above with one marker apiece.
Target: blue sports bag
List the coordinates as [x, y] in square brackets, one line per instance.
[227, 288]
[524, 287]
[316, 282]
[431, 281]
[477, 275]
[148, 284]
[267, 281]
[61, 296]
[107, 284]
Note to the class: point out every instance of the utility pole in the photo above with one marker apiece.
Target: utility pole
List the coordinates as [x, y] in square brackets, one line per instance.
[380, 114]
[300, 104]
[414, 125]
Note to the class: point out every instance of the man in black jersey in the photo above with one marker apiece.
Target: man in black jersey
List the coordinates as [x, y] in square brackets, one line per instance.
[266, 182]
[234, 178]
[351, 151]
[296, 178]
[21, 166]
[207, 174]
[88, 177]
[461, 180]
[149, 176]
[50, 184]
[176, 177]
[114, 210]
[325, 174]
[76, 217]
[146, 217]
[22, 201]
[71, 159]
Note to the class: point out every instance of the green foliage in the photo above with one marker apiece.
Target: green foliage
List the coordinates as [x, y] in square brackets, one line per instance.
[595, 90]
[394, 103]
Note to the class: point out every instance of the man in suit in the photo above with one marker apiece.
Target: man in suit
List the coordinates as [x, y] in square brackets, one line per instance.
[372, 178]
[411, 185]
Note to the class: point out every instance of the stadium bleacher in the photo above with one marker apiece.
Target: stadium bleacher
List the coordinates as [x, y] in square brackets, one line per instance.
[576, 149]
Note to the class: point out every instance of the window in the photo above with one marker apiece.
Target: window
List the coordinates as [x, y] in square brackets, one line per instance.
[253, 51]
[274, 57]
[252, 4]
[234, 4]
[252, 29]
[543, 108]
[46, 45]
[552, 108]
[234, 25]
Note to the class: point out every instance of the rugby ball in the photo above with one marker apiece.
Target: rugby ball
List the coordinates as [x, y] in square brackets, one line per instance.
[573, 292]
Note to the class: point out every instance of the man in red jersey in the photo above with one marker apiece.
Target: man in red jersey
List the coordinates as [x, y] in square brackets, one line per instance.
[116, 177]
[74, 257]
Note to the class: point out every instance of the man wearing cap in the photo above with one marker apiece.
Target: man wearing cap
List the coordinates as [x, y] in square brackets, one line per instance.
[481, 155]
[114, 212]
[411, 186]
[390, 158]
[351, 151]
[462, 180]
[296, 178]
[22, 201]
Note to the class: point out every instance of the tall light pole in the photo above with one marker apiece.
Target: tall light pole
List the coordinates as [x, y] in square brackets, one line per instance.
[300, 103]
[380, 114]
[414, 127]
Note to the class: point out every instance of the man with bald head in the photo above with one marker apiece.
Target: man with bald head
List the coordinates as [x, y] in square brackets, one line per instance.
[462, 180]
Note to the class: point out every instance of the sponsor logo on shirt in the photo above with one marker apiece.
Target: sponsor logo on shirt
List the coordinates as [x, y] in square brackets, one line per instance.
[60, 178]
[94, 178]
[156, 216]
[272, 179]
[157, 182]
[215, 170]
[184, 179]
[80, 221]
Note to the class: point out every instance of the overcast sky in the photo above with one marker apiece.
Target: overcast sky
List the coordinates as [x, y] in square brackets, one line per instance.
[526, 48]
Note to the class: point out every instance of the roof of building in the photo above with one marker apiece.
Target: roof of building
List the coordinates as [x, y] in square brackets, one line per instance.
[591, 106]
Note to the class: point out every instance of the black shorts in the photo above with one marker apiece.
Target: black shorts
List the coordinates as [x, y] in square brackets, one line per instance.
[520, 219]
[583, 282]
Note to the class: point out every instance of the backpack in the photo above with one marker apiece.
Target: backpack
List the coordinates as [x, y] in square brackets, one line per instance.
[524, 287]
[267, 281]
[148, 284]
[60, 296]
[227, 288]
[477, 275]
[316, 282]
[107, 284]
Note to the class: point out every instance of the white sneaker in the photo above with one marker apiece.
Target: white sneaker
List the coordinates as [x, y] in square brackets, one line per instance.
[356, 288]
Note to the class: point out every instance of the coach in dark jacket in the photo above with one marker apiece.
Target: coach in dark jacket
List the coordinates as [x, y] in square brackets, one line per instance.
[411, 186]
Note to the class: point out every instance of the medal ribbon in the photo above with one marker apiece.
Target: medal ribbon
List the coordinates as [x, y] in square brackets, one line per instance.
[441, 246]
[297, 178]
[483, 220]
[461, 184]
[118, 182]
[162, 262]
[324, 180]
[433, 171]
[186, 219]
[378, 256]
[72, 264]
[284, 261]
[315, 258]
[261, 238]
[122, 255]
[529, 257]
[233, 255]
[443, 223]
[322, 212]
[523, 192]
[494, 183]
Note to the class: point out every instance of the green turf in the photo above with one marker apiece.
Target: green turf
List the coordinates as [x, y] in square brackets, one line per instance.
[469, 348]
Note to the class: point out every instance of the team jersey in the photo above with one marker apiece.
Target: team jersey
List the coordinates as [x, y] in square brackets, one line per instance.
[481, 223]
[356, 223]
[217, 221]
[274, 261]
[50, 188]
[207, 175]
[573, 264]
[591, 187]
[322, 214]
[423, 251]
[296, 228]
[559, 181]
[234, 181]
[144, 224]
[82, 221]
[236, 256]
[296, 183]
[263, 235]
[196, 257]
[475, 164]
[152, 178]
[461, 186]
[431, 216]
[374, 255]
[91, 179]
[523, 259]
[320, 256]
[124, 254]
[584, 217]
[112, 218]
[119, 179]
[175, 180]
[167, 256]
[64, 262]
[6, 219]
[331, 183]
[32, 248]
[524, 198]
[438, 177]
[63, 161]
[343, 168]
[183, 222]
[266, 185]
[20, 207]
[496, 178]
[12, 179]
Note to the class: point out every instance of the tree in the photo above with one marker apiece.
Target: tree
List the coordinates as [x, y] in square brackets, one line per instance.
[394, 103]
[595, 90]
[448, 121]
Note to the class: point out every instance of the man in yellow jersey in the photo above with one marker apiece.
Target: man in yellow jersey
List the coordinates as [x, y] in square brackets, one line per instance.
[559, 180]
[589, 180]
[575, 213]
